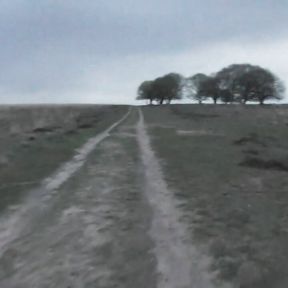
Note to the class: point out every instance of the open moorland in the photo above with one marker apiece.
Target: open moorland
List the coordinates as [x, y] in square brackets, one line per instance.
[35, 140]
[170, 196]
[228, 165]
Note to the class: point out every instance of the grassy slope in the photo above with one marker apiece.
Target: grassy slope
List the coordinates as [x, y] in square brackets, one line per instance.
[29, 160]
[240, 212]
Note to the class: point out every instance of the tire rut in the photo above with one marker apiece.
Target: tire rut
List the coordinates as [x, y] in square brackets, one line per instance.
[92, 232]
[112, 223]
[179, 265]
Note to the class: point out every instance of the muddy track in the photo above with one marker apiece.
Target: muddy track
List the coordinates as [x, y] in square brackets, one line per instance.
[13, 224]
[104, 219]
[178, 263]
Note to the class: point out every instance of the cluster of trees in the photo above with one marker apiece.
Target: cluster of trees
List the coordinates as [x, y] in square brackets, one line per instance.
[237, 83]
[162, 89]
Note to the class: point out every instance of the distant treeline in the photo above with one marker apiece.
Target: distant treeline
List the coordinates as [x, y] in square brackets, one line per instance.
[237, 83]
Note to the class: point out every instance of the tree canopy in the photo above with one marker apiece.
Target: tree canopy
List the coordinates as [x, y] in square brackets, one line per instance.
[145, 91]
[247, 82]
[194, 84]
[237, 83]
[163, 89]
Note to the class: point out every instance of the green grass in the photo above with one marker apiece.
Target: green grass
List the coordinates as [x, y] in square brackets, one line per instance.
[37, 159]
[244, 208]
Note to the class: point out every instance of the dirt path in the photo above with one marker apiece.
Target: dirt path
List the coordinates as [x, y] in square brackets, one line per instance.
[178, 263]
[104, 219]
[11, 225]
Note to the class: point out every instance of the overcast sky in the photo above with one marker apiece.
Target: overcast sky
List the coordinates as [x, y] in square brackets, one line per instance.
[99, 51]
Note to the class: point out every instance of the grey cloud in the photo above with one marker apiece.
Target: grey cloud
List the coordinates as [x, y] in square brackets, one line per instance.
[50, 45]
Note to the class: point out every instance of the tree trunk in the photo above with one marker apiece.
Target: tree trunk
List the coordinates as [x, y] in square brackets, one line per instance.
[161, 101]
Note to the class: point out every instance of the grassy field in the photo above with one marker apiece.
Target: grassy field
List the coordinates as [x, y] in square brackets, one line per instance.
[229, 165]
[35, 140]
[226, 164]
